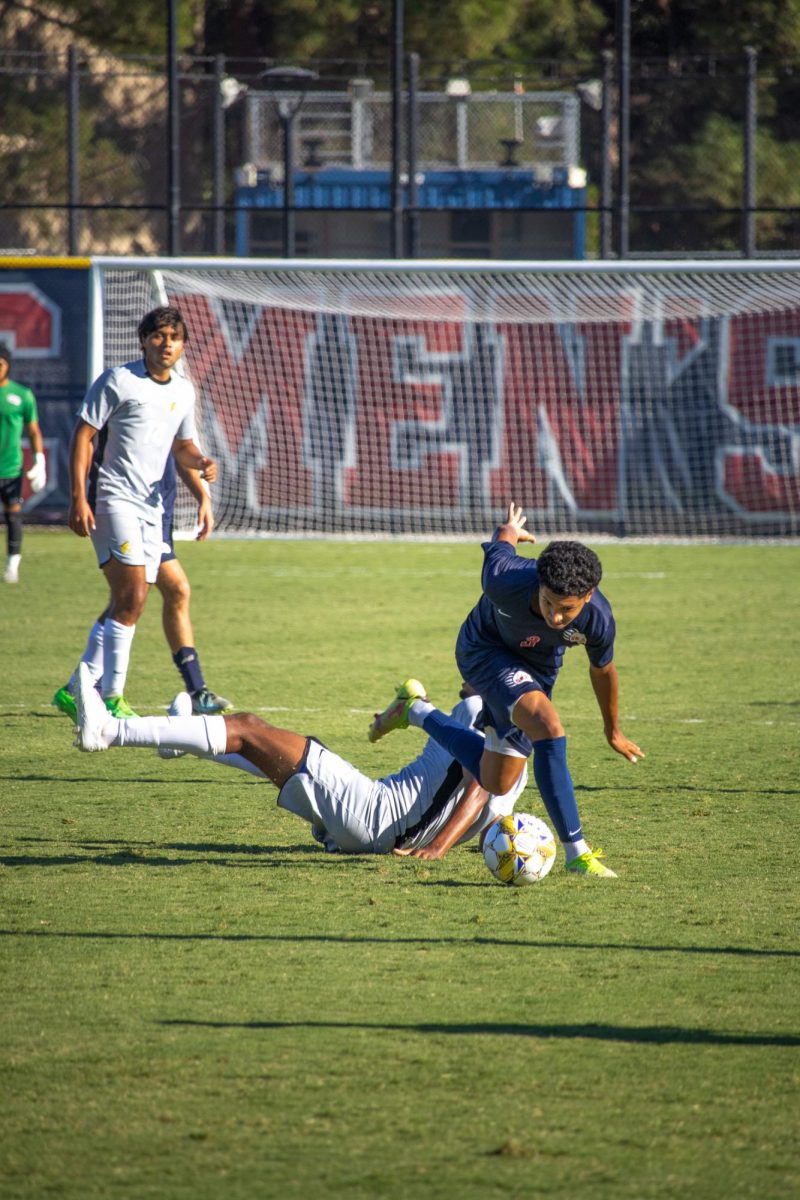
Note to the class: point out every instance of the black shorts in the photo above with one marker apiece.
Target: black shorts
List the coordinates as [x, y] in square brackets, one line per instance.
[11, 491]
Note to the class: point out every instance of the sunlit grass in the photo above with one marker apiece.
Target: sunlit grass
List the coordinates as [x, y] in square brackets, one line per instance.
[198, 1002]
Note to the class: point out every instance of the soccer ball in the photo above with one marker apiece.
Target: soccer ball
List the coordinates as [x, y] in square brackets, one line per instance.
[519, 849]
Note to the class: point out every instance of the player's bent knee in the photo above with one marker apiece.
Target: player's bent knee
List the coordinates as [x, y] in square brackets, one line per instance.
[241, 728]
[535, 715]
[176, 592]
[128, 607]
[499, 774]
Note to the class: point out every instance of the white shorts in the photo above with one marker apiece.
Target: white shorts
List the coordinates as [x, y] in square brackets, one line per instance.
[500, 745]
[342, 805]
[124, 535]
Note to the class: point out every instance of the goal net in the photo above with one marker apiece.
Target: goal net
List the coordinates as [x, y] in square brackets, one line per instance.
[418, 399]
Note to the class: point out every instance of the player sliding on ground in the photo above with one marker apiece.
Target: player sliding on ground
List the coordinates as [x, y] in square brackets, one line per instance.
[423, 810]
[510, 650]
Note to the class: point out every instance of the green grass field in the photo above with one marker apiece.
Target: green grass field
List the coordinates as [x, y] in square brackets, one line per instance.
[199, 1003]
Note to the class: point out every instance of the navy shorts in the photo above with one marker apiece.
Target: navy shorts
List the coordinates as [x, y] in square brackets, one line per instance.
[500, 679]
[167, 548]
[11, 491]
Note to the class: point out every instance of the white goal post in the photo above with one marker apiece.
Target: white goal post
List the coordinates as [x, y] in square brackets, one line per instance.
[417, 398]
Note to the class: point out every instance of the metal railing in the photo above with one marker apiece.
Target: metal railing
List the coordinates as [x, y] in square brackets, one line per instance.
[87, 148]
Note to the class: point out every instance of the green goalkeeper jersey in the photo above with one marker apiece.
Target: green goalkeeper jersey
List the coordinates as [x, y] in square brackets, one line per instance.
[17, 410]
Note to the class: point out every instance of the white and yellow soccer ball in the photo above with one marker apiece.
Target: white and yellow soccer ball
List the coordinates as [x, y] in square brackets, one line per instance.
[519, 848]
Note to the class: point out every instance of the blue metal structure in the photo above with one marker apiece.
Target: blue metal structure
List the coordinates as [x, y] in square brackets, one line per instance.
[356, 190]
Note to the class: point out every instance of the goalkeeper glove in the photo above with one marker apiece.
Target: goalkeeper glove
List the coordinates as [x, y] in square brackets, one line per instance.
[38, 473]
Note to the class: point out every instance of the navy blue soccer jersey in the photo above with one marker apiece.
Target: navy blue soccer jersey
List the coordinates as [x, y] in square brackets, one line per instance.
[503, 619]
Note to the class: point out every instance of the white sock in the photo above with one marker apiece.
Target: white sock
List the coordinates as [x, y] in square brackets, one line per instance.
[574, 849]
[13, 560]
[241, 764]
[92, 656]
[418, 712]
[117, 640]
[203, 736]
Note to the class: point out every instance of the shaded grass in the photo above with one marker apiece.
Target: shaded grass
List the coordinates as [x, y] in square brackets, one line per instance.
[198, 1002]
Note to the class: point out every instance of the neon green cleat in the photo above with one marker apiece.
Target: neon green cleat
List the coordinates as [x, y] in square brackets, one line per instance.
[118, 707]
[396, 715]
[64, 701]
[589, 864]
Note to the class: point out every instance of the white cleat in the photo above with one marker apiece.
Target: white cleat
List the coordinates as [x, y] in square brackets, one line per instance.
[94, 721]
[181, 706]
[11, 573]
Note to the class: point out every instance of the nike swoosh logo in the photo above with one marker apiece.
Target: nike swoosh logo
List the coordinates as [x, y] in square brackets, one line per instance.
[503, 614]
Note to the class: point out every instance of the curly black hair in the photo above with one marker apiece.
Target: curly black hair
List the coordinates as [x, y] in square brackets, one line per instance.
[158, 318]
[569, 569]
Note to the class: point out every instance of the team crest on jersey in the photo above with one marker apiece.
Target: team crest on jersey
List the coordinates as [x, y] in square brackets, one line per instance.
[13, 398]
[529, 642]
[520, 677]
[574, 637]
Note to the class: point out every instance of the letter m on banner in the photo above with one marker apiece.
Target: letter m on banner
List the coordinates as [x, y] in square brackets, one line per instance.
[30, 323]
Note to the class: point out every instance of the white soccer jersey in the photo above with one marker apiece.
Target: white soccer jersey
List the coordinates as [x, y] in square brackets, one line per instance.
[139, 419]
[349, 811]
[427, 791]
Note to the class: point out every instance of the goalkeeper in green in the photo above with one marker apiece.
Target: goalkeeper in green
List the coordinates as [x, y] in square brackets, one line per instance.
[18, 416]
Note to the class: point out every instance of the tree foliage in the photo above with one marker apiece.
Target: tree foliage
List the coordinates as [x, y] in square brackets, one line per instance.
[119, 27]
[687, 119]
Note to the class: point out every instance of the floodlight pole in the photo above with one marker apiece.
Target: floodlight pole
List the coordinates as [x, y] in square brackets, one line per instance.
[73, 149]
[606, 189]
[218, 157]
[173, 134]
[624, 85]
[289, 221]
[412, 225]
[750, 130]
[295, 81]
[397, 129]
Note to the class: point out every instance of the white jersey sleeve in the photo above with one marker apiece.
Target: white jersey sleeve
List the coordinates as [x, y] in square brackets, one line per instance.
[100, 401]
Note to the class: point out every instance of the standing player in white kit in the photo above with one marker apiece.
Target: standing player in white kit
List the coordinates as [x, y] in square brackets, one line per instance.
[138, 413]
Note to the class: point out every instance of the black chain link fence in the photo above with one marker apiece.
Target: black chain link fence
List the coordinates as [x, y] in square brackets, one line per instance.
[84, 151]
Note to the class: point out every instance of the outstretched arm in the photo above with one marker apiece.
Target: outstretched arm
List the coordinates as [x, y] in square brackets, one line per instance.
[513, 529]
[463, 815]
[605, 682]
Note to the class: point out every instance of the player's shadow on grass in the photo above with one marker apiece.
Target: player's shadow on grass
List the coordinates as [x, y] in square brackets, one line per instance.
[120, 781]
[186, 847]
[658, 1035]
[134, 858]
[711, 789]
[237, 779]
[100, 935]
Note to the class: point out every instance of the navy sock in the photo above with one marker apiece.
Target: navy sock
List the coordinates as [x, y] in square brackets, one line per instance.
[554, 781]
[188, 664]
[465, 745]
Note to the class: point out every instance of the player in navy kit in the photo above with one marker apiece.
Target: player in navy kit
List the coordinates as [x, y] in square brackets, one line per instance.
[510, 649]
